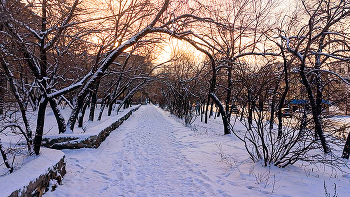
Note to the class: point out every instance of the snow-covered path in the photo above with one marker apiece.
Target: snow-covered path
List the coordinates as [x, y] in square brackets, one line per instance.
[141, 158]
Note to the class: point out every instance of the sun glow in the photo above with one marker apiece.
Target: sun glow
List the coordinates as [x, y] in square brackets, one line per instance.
[169, 49]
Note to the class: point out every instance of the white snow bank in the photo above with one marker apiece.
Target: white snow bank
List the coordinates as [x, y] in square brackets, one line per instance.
[93, 128]
[341, 119]
[30, 171]
[225, 162]
[93, 136]
[154, 154]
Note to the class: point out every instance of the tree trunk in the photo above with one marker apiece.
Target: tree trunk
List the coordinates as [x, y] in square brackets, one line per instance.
[80, 102]
[273, 102]
[93, 101]
[93, 106]
[284, 95]
[346, 150]
[82, 114]
[75, 112]
[206, 109]
[110, 107]
[316, 113]
[280, 106]
[59, 118]
[202, 111]
[223, 114]
[272, 112]
[250, 111]
[40, 126]
[2, 93]
[114, 94]
[4, 157]
[229, 91]
[26, 124]
[103, 104]
[114, 99]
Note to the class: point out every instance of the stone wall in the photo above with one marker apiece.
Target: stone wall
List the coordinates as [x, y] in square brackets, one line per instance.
[93, 141]
[44, 182]
[54, 175]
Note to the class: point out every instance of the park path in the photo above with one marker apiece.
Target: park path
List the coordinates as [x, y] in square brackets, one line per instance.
[141, 158]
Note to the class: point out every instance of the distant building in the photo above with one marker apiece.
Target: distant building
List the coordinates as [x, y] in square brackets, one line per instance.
[301, 104]
[340, 67]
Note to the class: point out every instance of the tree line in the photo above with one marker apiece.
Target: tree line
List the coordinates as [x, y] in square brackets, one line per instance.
[84, 53]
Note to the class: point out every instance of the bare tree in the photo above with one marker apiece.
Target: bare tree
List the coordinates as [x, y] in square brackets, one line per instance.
[318, 41]
[232, 33]
[38, 39]
[181, 80]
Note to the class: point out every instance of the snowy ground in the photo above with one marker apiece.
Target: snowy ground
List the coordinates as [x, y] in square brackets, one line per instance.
[343, 119]
[19, 154]
[51, 124]
[153, 154]
[39, 165]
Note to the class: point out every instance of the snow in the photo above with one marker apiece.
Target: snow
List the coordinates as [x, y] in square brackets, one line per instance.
[38, 165]
[17, 142]
[90, 128]
[341, 119]
[154, 154]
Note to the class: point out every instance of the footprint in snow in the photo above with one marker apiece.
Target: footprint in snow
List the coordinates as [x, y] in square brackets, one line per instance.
[265, 192]
[251, 187]
[346, 175]
[79, 166]
[98, 172]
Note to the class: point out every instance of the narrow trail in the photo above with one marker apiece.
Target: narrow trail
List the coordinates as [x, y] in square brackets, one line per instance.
[141, 158]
